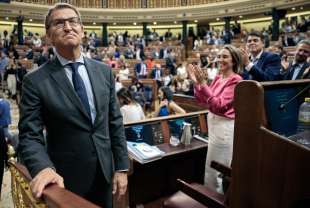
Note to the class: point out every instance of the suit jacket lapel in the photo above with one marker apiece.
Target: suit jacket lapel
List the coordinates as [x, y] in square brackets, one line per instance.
[57, 72]
[261, 60]
[94, 77]
[291, 71]
[302, 70]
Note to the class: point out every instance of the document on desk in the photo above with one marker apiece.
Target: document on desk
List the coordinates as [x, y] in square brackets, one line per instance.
[203, 139]
[144, 152]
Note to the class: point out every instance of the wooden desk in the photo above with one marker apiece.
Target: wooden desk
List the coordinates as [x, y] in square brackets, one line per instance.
[157, 179]
[268, 169]
[189, 103]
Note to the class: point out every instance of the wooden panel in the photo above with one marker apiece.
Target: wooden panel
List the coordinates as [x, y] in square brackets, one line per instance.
[185, 162]
[269, 170]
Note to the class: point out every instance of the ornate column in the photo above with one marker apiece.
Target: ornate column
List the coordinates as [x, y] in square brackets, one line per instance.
[184, 32]
[184, 36]
[145, 32]
[276, 16]
[105, 37]
[20, 31]
[227, 23]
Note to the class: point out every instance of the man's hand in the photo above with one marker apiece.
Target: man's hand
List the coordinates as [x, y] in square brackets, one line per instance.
[42, 179]
[245, 57]
[119, 183]
[285, 64]
[163, 103]
[305, 72]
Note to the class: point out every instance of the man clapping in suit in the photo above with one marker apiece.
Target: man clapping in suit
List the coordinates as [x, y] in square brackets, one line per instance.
[73, 98]
[299, 68]
[259, 65]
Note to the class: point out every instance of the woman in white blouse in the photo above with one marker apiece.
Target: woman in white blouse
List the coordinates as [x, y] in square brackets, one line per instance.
[130, 109]
[123, 72]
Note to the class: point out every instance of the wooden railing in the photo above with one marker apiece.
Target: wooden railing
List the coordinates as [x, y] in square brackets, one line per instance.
[56, 197]
[53, 195]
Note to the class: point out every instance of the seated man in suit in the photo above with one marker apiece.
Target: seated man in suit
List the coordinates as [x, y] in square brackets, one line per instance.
[157, 74]
[141, 69]
[73, 98]
[259, 65]
[299, 68]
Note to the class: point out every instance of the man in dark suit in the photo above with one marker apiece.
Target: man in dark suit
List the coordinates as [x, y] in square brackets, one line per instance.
[5, 117]
[141, 69]
[299, 68]
[73, 98]
[3, 156]
[157, 74]
[260, 65]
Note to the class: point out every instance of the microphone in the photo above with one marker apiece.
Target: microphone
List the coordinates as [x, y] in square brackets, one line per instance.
[282, 106]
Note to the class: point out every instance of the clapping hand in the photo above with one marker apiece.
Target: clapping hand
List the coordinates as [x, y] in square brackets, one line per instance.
[245, 56]
[163, 103]
[196, 74]
[284, 63]
[306, 71]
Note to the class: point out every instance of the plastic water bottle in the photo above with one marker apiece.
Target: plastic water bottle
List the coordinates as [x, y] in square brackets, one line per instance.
[304, 116]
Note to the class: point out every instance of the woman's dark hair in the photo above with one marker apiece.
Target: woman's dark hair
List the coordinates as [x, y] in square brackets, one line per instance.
[134, 80]
[126, 96]
[168, 94]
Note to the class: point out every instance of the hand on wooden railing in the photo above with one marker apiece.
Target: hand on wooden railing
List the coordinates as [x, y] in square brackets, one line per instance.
[53, 195]
[43, 178]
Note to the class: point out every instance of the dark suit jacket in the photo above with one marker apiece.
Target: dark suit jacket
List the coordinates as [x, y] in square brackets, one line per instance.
[74, 145]
[3, 157]
[267, 68]
[138, 68]
[290, 72]
[153, 73]
[5, 114]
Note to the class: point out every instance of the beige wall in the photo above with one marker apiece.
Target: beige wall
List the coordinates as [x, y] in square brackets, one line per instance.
[258, 23]
[8, 26]
[96, 29]
[132, 30]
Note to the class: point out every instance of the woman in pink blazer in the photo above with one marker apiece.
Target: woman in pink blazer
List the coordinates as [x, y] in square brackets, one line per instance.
[218, 98]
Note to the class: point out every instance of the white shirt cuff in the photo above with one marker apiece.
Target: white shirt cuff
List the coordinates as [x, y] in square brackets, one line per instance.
[125, 170]
[249, 66]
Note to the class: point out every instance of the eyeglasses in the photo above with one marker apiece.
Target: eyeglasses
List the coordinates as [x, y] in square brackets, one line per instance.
[60, 23]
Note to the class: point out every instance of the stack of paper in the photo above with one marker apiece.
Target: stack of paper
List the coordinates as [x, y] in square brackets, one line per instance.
[144, 152]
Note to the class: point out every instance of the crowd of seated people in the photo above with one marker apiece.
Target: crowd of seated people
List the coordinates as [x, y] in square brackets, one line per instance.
[162, 58]
[210, 72]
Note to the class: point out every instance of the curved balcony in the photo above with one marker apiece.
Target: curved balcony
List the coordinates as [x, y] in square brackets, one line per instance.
[125, 4]
[103, 12]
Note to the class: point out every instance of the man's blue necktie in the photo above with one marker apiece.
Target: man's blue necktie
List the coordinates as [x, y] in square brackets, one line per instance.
[79, 86]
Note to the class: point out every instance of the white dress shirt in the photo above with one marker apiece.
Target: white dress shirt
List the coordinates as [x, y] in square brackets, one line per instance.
[84, 75]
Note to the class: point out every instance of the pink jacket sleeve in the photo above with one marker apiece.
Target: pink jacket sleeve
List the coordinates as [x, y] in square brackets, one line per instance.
[220, 103]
